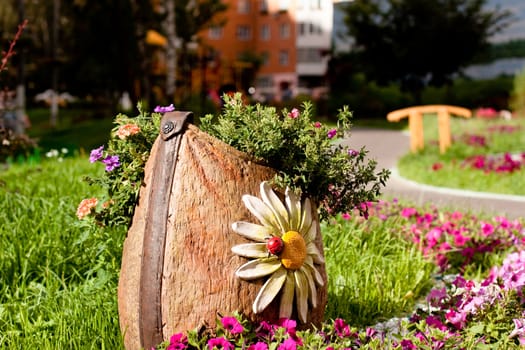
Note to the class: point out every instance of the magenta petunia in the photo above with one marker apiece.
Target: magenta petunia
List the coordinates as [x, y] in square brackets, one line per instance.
[219, 343]
[258, 346]
[288, 344]
[232, 325]
[178, 341]
[332, 133]
[96, 154]
[317, 125]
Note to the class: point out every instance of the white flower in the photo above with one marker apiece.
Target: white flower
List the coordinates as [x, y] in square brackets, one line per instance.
[290, 269]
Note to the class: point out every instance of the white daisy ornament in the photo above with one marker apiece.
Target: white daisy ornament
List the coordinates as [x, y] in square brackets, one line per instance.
[285, 251]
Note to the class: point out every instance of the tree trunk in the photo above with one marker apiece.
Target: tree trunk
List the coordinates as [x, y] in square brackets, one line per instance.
[170, 26]
[196, 281]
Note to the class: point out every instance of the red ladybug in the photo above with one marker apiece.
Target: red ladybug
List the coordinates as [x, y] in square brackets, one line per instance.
[275, 245]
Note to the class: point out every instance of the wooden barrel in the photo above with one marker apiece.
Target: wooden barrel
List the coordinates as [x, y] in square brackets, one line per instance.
[178, 271]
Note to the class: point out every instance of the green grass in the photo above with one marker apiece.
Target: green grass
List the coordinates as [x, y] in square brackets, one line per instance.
[58, 280]
[77, 129]
[373, 273]
[59, 274]
[419, 166]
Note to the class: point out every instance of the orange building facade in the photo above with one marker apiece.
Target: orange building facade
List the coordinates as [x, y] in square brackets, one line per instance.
[254, 51]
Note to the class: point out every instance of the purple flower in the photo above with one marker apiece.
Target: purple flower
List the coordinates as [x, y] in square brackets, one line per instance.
[519, 330]
[164, 109]
[232, 325]
[111, 162]
[352, 152]
[219, 343]
[96, 154]
[332, 133]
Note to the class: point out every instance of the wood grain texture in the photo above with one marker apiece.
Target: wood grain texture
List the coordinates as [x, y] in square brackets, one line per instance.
[199, 281]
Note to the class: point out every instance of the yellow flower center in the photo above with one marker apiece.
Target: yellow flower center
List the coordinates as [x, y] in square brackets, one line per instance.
[294, 251]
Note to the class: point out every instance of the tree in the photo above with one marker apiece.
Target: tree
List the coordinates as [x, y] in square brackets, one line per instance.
[416, 42]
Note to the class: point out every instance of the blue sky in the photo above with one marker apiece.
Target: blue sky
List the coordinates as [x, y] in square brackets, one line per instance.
[517, 28]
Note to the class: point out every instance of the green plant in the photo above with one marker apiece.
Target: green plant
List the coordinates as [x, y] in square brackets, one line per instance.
[517, 99]
[304, 152]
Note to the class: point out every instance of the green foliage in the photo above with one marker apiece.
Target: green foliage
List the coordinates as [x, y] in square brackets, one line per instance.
[517, 101]
[374, 274]
[509, 49]
[123, 183]
[303, 152]
[415, 48]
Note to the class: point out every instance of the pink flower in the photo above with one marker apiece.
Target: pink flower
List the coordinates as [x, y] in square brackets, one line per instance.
[486, 229]
[232, 325]
[408, 212]
[317, 125]
[294, 113]
[352, 152]
[406, 344]
[435, 322]
[457, 319]
[437, 166]
[258, 346]
[332, 133]
[341, 328]
[288, 344]
[85, 207]
[436, 296]
[346, 216]
[219, 343]
[519, 330]
[127, 130]
[178, 341]
[460, 240]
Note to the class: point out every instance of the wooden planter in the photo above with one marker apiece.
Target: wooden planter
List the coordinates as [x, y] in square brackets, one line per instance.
[178, 271]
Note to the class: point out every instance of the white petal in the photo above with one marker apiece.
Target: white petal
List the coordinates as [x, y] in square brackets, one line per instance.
[269, 290]
[312, 290]
[252, 231]
[317, 276]
[301, 295]
[306, 220]
[293, 204]
[313, 251]
[311, 234]
[286, 307]
[258, 268]
[274, 203]
[251, 250]
[261, 211]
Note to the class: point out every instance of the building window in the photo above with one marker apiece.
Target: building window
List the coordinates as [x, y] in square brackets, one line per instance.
[243, 6]
[315, 4]
[215, 32]
[284, 5]
[244, 32]
[284, 31]
[265, 32]
[309, 55]
[263, 6]
[264, 82]
[301, 28]
[283, 57]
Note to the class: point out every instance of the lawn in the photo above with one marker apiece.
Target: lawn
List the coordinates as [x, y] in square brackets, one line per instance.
[486, 155]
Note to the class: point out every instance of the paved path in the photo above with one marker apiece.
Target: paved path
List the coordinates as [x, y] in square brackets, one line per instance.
[386, 146]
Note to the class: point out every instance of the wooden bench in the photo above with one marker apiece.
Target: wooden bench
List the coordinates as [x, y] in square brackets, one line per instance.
[415, 123]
